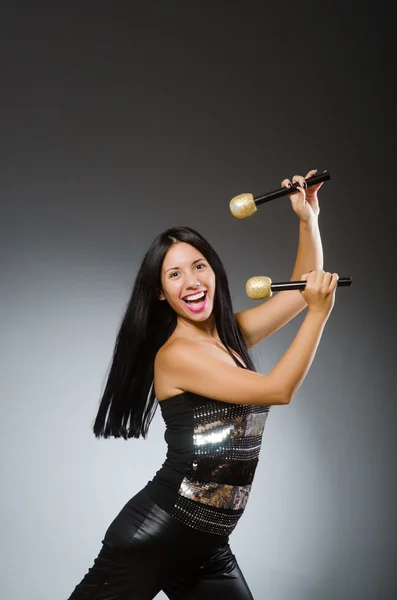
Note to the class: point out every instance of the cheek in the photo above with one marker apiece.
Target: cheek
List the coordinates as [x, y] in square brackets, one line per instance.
[211, 280]
[172, 289]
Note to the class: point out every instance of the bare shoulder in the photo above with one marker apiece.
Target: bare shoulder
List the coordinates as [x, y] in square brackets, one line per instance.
[184, 365]
[166, 364]
[181, 352]
[175, 346]
[172, 352]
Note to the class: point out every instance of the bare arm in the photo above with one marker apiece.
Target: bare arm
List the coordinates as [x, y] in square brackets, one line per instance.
[188, 366]
[294, 365]
[262, 320]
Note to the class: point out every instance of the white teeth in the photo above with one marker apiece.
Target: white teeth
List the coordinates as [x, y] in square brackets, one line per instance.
[195, 296]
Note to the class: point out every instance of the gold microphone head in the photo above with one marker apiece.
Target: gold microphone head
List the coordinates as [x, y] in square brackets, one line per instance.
[259, 288]
[243, 206]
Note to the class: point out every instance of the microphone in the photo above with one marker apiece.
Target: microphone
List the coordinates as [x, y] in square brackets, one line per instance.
[245, 205]
[261, 287]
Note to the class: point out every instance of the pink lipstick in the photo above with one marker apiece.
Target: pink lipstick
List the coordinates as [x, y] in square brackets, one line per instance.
[199, 307]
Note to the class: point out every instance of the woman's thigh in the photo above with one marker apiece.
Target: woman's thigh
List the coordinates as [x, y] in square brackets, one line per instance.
[219, 577]
[135, 555]
[144, 545]
[119, 575]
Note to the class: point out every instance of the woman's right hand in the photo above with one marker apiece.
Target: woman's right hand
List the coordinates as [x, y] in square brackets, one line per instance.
[319, 292]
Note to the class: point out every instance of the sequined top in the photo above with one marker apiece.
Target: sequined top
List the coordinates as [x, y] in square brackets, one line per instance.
[213, 451]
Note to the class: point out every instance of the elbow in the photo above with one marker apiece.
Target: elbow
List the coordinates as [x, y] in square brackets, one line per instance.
[282, 395]
[278, 392]
[283, 398]
[286, 393]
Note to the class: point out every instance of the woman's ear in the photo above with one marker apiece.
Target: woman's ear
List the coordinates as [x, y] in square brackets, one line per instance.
[160, 295]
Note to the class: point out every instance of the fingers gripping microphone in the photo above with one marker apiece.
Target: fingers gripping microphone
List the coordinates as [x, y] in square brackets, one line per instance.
[245, 205]
[261, 287]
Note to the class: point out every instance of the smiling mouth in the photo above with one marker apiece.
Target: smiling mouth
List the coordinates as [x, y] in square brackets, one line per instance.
[196, 304]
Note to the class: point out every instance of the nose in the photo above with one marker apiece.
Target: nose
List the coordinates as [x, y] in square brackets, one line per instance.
[192, 282]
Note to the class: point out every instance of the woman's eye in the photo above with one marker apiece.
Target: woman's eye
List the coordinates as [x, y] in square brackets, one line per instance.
[177, 272]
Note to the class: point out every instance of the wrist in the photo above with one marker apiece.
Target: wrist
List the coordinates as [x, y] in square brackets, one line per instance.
[316, 313]
[310, 223]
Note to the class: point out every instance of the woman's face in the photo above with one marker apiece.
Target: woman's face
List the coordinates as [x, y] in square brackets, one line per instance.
[188, 282]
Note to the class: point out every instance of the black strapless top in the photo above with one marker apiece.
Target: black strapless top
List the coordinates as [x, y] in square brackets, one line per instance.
[213, 451]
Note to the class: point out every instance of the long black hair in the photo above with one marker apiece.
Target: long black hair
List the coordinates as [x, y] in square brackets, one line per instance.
[128, 402]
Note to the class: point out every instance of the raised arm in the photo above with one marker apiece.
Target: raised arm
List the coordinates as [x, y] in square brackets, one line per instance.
[188, 366]
[262, 320]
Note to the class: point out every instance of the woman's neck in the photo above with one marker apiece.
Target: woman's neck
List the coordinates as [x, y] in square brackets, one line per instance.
[204, 330]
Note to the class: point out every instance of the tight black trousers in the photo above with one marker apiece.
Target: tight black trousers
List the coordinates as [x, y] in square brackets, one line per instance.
[145, 551]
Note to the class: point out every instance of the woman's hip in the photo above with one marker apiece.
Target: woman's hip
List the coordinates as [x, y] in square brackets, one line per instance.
[142, 523]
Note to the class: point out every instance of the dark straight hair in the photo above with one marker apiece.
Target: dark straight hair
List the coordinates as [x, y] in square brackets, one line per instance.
[128, 402]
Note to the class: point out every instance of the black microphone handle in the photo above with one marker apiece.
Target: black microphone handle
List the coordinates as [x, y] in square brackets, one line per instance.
[318, 178]
[300, 285]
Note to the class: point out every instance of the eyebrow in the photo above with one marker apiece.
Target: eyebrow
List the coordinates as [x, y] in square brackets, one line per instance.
[193, 263]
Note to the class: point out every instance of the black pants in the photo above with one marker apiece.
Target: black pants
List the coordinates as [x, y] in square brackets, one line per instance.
[145, 551]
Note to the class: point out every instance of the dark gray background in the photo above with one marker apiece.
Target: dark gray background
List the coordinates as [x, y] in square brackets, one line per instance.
[121, 119]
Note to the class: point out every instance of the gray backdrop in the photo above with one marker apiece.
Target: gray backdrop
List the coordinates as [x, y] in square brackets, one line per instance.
[119, 120]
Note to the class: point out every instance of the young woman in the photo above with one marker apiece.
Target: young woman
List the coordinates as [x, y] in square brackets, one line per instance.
[181, 346]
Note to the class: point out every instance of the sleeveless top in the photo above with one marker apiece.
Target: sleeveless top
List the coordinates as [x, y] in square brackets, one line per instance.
[213, 451]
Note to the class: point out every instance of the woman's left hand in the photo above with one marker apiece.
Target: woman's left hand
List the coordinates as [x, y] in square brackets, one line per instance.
[304, 199]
